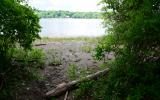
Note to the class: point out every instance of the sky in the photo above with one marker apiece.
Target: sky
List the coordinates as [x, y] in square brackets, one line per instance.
[69, 5]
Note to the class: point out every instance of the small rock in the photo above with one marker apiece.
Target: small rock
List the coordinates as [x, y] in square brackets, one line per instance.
[47, 84]
[27, 88]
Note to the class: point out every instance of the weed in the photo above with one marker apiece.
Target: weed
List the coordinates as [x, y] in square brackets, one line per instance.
[72, 71]
[54, 57]
[87, 48]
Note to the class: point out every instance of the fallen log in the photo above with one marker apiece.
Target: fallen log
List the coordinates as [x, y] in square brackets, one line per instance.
[64, 87]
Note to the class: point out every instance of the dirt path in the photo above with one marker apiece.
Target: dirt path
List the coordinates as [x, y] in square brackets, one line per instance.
[59, 56]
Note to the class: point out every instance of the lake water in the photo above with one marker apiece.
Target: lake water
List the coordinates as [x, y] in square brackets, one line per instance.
[54, 27]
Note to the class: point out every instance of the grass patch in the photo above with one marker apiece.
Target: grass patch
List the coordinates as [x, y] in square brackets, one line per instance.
[34, 56]
[72, 71]
[54, 57]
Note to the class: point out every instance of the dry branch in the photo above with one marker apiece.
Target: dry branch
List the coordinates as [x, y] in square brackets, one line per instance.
[40, 44]
[62, 88]
[66, 95]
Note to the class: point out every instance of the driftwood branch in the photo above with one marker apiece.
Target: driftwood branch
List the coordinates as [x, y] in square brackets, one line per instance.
[40, 44]
[62, 88]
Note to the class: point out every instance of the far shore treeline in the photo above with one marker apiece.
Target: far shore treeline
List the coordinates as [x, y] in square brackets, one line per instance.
[68, 14]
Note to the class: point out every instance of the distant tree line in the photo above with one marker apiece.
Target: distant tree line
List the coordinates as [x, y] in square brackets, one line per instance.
[68, 14]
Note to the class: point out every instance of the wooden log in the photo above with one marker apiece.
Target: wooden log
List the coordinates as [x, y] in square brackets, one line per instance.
[62, 88]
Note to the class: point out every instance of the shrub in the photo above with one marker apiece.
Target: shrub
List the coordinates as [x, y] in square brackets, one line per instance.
[134, 38]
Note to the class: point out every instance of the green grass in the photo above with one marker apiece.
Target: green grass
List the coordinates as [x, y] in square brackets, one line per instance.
[36, 56]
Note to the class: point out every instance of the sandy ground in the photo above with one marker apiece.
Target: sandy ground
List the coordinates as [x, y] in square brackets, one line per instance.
[67, 53]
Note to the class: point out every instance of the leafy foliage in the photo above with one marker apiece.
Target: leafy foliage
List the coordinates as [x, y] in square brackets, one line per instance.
[18, 23]
[19, 27]
[134, 37]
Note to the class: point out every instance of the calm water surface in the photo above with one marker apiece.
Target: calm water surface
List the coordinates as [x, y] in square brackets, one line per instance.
[53, 27]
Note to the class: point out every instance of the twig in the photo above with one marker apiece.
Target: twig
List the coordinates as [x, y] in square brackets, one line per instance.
[66, 96]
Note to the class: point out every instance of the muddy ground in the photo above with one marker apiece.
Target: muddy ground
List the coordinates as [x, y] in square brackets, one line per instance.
[59, 56]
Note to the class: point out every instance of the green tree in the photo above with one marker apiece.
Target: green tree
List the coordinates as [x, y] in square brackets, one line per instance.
[18, 26]
[134, 37]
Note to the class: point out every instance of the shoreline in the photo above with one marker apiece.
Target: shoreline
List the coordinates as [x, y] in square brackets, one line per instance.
[67, 39]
